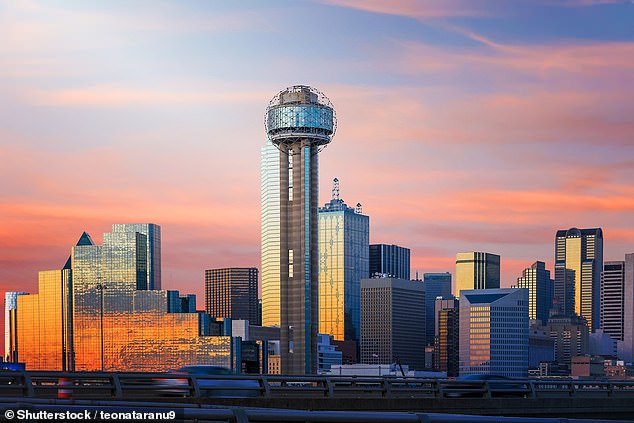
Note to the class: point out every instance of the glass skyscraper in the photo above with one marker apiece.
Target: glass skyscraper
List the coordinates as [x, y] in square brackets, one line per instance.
[477, 271]
[344, 235]
[436, 285]
[270, 233]
[153, 251]
[540, 290]
[232, 292]
[578, 267]
[10, 324]
[389, 260]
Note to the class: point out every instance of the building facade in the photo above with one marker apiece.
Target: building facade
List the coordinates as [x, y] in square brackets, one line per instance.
[540, 290]
[270, 233]
[343, 261]
[578, 267]
[389, 260]
[476, 270]
[447, 336]
[626, 347]
[494, 332]
[10, 325]
[612, 299]
[232, 292]
[436, 285]
[571, 337]
[152, 233]
[393, 322]
[299, 121]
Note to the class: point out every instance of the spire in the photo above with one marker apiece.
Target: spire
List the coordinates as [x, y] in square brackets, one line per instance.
[335, 189]
[84, 239]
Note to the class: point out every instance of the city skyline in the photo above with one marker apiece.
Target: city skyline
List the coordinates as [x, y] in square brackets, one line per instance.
[96, 128]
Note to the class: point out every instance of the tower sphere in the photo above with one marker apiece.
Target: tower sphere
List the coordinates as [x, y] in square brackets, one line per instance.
[300, 112]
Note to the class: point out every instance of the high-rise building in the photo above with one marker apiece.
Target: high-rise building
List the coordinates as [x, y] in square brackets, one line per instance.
[477, 271]
[435, 285]
[612, 296]
[10, 324]
[389, 260]
[393, 322]
[105, 322]
[540, 290]
[571, 337]
[626, 347]
[232, 292]
[447, 342]
[343, 262]
[578, 267]
[270, 233]
[153, 251]
[494, 332]
[300, 121]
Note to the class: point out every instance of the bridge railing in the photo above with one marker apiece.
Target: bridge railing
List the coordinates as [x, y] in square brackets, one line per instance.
[90, 385]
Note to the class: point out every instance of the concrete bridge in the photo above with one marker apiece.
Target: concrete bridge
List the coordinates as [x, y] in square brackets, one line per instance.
[534, 399]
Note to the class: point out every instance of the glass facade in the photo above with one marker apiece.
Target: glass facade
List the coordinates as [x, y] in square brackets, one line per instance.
[153, 252]
[578, 267]
[477, 271]
[343, 261]
[298, 117]
[389, 261]
[232, 292]
[436, 285]
[270, 234]
[540, 290]
[10, 324]
[494, 332]
[446, 344]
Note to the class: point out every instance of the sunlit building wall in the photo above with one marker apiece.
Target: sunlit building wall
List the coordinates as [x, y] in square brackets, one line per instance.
[270, 233]
[43, 321]
[10, 324]
[343, 262]
[447, 342]
[476, 270]
[232, 292]
[436, 285]
[578, 267]
[540, 290]
[153, 252]
[494, 332]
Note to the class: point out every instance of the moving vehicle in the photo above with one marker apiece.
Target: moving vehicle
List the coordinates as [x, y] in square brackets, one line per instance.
[212, 381]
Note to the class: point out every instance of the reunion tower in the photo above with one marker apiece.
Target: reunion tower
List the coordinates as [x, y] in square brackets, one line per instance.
[299, 121]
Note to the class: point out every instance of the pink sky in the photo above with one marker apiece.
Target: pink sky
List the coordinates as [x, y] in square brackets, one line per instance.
[463, 125]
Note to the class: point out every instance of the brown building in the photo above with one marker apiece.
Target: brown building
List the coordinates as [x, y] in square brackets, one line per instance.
[232, 292]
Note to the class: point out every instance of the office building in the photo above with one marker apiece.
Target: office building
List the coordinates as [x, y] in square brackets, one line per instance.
[105, 323]
[477, 271]
[393, 322]
[327, 354]
[343, 262]
[447, 336]
[10, 324]
[626, 347]
[540, 290]
[152, 233]
[494, 332]
[389, 260]
[300, 121]
[177, 303]
[232, 292]
[612, 299]
[578, 266]
[270, 233]
[571, 337]
[435, 285]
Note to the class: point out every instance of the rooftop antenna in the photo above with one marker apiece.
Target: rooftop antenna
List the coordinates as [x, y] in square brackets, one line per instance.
[335, 189]
[358, 209]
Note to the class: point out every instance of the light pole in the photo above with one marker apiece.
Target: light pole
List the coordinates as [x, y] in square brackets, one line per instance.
[101, 288]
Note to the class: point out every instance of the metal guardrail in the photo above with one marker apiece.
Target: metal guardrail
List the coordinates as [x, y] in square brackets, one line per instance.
[88, 385]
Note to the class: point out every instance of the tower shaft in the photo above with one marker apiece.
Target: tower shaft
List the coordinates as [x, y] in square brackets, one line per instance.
[299, 256]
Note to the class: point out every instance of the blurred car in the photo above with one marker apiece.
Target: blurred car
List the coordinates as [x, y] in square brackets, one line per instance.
[210, 383]
[475, 386]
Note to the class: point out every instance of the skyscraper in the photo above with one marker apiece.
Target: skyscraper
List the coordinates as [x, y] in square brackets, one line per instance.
[540, 290]
[390, 260]
[477, 271]
[612, 299]
[578, 266]
[10, 324]
[153, 252]
[626, 347]
[494, 332]
[447, 336]
[232, 292]
[270, 233]
[343, 262]
[299, 122]
[435, 285]
[393, 322]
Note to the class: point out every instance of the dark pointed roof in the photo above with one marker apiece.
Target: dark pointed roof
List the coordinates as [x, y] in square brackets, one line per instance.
[84, 239]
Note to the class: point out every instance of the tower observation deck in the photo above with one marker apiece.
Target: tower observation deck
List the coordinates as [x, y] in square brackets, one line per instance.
[299, 121]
